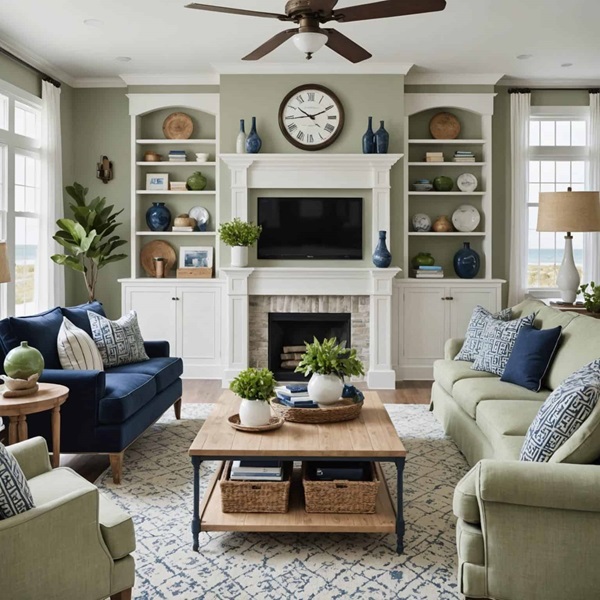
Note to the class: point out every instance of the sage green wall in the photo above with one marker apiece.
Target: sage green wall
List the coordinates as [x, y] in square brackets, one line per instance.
[18, 75]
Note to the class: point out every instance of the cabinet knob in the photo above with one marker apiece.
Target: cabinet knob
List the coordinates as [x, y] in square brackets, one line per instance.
[173, 298]
[443, 298]
[450, 298]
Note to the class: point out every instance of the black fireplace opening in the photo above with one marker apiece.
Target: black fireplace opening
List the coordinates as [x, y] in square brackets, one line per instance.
[288, 333]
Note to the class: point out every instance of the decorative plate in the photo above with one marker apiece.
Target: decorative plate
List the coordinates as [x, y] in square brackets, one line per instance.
[444, 126]
[178, 126]
[274, 423]
[466, 218]
[157, 248]
[467, 182]
[200, 214]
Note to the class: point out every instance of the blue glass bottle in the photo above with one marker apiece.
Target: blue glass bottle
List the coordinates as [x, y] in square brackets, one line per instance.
[467, 262]
[382, 139]
[382, 257]
[253, 141]
[368, 139]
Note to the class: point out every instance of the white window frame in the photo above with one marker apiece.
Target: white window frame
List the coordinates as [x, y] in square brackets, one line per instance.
[555, 153]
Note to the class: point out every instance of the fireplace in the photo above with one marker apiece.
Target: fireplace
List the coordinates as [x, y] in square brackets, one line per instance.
[287, 333]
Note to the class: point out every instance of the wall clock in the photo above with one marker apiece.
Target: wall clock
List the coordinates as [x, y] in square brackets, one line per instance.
[311, 117]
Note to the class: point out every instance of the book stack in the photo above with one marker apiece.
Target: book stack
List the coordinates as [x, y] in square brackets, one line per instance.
[295, 396]
[433, 272]
[256, 470]
[291, 356]
[177, 156]
[185, 228]
[177, 186]
[463, 156]
[434, 157]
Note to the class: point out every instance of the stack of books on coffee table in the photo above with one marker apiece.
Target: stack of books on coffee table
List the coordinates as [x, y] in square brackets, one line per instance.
[256, 470]
[295, 396]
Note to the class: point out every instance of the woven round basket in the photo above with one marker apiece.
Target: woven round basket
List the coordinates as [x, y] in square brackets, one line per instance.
[346, 410]
[444, 126]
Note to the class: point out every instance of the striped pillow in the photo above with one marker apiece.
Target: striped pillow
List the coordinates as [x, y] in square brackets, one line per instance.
[15, 495]
[76, 349]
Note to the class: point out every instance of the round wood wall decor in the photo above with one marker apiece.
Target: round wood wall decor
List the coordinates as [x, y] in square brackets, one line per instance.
[178, 126]
[155, 249]
[444, 126]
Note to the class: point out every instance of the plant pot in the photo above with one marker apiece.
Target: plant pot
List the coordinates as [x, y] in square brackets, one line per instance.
[239, 256]
[325, 389]
[23, 361]
[254, 413]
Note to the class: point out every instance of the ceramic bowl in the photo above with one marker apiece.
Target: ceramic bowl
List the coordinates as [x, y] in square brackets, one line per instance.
[20, 384]
[422, 187]
[201, 156]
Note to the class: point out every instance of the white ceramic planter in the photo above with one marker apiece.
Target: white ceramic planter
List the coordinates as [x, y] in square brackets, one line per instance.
[325, 389]
[254, 413]
[239, 256]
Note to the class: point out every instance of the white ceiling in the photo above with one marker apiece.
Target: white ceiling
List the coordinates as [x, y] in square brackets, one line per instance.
[162, 37]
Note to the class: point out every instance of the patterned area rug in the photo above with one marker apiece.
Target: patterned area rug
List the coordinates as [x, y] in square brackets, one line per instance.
[157, 491]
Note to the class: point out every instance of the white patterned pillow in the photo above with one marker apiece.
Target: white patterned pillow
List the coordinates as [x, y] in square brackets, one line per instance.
[474, 336]
[562, 414]
[498, 340]
[76, 349]
[120, 342]
[15, 495]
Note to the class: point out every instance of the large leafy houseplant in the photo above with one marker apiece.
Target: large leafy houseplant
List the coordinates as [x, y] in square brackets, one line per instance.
[88, 238]
[591, 299]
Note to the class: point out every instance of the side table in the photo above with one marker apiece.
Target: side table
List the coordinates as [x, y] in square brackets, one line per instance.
[578, 307]
[49, 396]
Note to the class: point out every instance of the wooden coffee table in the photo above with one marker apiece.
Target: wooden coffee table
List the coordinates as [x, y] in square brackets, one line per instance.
[370, 437]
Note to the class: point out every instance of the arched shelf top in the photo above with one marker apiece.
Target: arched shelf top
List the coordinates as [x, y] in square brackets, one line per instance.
[481, 104]
[142, 104]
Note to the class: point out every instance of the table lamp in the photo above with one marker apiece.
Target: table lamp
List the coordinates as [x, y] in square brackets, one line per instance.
[568, 211]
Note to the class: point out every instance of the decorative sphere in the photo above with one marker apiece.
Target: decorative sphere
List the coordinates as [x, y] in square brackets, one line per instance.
[421, 222]
[443, 183]
[442, 224]
[23, 361]
[466, 218]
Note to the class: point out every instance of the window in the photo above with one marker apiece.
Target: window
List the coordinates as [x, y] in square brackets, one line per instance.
[557, 161]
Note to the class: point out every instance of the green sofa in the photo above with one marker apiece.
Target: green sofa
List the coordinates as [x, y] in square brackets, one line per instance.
[525, 531]
[73, 545]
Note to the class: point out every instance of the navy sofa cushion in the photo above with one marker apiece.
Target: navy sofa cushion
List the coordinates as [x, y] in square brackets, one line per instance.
[79, 317]
[126, 393]
[165, 370]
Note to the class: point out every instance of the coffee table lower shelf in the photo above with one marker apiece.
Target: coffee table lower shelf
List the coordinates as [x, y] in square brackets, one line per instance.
[296, 519]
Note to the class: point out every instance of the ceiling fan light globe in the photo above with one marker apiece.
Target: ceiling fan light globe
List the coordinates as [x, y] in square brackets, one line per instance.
[310, 42]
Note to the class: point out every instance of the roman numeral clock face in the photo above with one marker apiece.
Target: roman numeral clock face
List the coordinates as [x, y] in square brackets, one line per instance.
[311, 117]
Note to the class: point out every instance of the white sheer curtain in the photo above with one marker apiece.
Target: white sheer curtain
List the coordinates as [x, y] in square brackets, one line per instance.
[591, 241]
[520, 107]
[50, 278]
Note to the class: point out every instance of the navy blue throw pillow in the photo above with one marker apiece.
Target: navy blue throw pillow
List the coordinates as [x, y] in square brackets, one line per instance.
[531, 356]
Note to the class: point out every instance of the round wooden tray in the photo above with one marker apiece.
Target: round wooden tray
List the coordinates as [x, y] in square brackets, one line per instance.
[346, 410]
[178, 126]
[155, 249]
[444, 126]
[274, 423]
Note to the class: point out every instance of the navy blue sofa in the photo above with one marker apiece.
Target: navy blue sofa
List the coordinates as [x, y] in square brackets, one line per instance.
[106, 410]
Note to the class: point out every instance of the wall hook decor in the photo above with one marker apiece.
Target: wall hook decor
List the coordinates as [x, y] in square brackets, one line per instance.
[104, 170]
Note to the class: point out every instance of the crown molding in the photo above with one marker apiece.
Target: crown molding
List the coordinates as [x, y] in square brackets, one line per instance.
[417, 78]
[555, 83]
[99, 82]
[170, 79]
[305, 68]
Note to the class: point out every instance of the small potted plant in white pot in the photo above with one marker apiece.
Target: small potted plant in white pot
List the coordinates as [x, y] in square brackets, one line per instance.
[256, 388]
[328, 363]
[239, 235]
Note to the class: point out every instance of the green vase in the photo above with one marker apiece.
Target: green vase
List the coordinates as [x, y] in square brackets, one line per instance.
[423, 259]
[196, 182]
[23, 361]
[443, 184]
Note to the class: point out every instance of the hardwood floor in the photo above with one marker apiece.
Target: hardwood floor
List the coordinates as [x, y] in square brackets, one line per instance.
[206, 391]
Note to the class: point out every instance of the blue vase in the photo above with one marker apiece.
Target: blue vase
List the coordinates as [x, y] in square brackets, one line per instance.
[466, 262]
[382, 139]
[368, 139]
[253, 141]
[158, 217]
[382, 257]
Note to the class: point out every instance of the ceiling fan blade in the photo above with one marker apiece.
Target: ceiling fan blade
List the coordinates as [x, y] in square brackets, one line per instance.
[345, 47]
[271, 44]
[387, 8]
[237, 11]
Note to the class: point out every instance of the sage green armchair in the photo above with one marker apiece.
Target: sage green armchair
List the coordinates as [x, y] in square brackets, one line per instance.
[73, 545]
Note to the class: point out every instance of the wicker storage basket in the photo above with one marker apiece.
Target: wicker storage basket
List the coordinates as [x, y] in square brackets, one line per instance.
[346, 410]
[340, 496]
[255, 496]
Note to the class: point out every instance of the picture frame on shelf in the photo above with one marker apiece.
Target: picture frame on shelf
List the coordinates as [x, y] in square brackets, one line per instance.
[193, 257]
[158, 182]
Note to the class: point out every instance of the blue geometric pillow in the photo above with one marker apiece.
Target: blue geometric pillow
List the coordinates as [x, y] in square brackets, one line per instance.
[498, 341]
[473, 338]
[562, 414]
[15, 495]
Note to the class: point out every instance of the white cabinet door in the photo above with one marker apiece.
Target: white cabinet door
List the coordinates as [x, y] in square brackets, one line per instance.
[423, 323]
[461, 306]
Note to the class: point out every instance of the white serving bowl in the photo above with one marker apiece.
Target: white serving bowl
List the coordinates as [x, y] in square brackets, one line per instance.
[202, 156]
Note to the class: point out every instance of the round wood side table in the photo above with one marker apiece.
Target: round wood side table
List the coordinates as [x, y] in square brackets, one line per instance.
[49, 396]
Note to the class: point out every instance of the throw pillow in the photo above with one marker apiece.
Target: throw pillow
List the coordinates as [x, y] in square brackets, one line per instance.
[473, 338]
[15, 495]
[76, 349]
[531, 356]
[498, 341]
[120, 342]
[562, 413]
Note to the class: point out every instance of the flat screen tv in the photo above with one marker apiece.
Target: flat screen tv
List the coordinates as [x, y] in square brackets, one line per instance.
[310, 228]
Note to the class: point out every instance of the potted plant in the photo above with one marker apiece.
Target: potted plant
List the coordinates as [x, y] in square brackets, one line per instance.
[239, 235]
[255, 387]
[591, 299]
[88, 239]
[328, 363]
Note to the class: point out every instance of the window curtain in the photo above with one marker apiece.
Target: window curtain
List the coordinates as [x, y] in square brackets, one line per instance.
[520, 108]
[50, 277]
[591, 241]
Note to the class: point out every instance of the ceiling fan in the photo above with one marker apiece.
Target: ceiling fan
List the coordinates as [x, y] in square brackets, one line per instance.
[310, 14]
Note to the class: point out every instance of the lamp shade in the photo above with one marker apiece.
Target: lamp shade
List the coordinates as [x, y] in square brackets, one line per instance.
[569, 211]
[4, 268]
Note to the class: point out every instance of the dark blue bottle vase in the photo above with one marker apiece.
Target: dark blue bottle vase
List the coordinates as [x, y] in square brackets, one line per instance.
[253, 141]
[158, 217]
[368, 139]
[382, 257]
[382, 139]
[467, 262]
